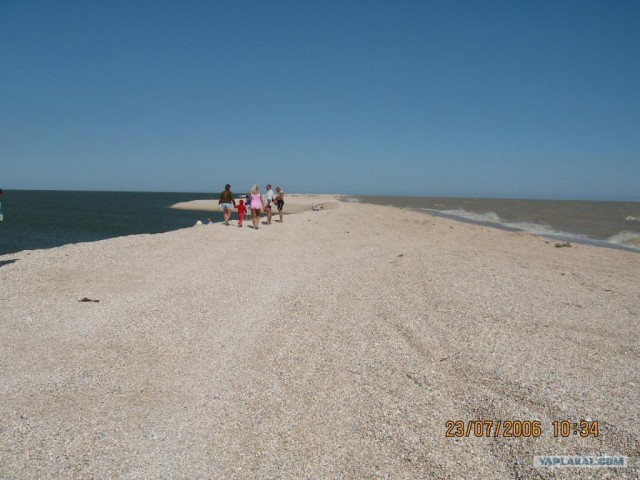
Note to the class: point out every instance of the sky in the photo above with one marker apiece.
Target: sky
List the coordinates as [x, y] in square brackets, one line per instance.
[436, 98]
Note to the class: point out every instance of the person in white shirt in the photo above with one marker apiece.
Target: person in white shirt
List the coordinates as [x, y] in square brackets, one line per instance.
[268, 200]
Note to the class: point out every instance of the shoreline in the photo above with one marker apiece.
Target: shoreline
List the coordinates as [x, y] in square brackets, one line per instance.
[348, 349]
[534, 229]
[556, 237]
[607, 224]
[297, 203]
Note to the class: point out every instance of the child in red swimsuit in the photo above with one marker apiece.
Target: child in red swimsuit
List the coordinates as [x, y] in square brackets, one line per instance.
[242, 210]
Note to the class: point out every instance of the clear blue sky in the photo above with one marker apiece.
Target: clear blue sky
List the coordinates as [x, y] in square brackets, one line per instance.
[475, 98]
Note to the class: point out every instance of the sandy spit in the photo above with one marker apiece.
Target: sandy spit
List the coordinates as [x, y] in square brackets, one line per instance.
[294, 203]
[334, 345]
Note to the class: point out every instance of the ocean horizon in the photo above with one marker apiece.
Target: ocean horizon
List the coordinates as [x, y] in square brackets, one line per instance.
[36, 219]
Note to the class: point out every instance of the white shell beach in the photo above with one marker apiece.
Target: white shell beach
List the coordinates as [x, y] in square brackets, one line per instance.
[334, 345]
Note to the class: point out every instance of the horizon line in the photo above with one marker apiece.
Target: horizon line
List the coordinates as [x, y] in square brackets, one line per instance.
[469, 196]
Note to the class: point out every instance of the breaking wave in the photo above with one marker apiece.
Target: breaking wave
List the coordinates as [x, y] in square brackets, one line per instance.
[490, 217]
[627, 239]
[493, 218]
[631, 239]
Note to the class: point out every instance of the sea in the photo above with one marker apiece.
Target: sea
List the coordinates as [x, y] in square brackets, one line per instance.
[35, 219]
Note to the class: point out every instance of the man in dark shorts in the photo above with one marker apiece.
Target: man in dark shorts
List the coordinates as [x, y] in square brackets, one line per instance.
[279, 199]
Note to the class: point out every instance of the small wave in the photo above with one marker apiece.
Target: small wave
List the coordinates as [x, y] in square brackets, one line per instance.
[493, 218]
[626, 237]
[535, 228]
[490, 217]
[625, 240]
[632, 219]
[351, 199]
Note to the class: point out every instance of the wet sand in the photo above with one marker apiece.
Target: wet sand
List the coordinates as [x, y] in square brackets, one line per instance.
[334, 345]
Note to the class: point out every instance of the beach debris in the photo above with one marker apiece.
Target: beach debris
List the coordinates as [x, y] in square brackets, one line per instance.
[85, 299]
[401, 255]
[564, 244]
[451, 357]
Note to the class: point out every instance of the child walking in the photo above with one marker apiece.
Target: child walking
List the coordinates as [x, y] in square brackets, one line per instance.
[242, 210]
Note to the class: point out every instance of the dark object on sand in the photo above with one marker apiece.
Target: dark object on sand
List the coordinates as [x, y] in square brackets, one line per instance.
[565, 244]
[85, 299]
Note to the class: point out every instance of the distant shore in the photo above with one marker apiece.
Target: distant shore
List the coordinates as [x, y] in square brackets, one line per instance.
[338, 343]
[294, 203]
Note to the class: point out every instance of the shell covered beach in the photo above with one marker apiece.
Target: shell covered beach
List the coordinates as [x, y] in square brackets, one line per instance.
[337, 344]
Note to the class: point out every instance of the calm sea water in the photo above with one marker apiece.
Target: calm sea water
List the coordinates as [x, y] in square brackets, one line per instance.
[608, 224]
[45, 219]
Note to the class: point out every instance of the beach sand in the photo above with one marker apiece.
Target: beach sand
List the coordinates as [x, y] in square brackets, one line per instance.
[334, 345]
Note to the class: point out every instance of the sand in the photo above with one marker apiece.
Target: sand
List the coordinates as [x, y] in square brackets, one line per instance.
[334, 345]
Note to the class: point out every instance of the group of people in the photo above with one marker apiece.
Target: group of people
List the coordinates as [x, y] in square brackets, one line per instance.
[255, 201]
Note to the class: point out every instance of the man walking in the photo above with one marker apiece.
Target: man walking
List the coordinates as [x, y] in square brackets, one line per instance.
[226, 201]
[279, 199]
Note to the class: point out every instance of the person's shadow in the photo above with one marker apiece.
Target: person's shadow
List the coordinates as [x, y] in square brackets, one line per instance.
[7, 262]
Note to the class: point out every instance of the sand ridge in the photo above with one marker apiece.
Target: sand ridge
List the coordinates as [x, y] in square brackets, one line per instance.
[335, 344]
[294, 203]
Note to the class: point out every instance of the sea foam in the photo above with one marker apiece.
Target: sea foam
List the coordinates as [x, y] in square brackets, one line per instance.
[626, 237]
[490, 217]
[494, 218]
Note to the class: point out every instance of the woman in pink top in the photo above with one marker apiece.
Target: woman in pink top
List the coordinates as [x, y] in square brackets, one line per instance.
[256, 206]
